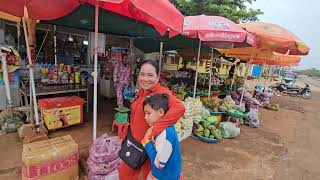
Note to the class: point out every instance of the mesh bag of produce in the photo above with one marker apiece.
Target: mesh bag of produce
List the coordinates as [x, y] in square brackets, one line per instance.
[229, 130]
[252, 118]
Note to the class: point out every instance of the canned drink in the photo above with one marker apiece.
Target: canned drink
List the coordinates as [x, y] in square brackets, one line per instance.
[77, 77]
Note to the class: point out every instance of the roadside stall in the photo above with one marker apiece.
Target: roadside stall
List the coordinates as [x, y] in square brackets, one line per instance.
[223, 34]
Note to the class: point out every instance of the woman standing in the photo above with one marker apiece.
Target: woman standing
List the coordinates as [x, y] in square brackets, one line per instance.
[121, 77]
[148, 81]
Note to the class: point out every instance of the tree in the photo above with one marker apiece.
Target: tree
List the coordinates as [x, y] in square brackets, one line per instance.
[235, 10]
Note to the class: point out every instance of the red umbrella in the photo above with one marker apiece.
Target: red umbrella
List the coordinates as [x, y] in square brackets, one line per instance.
[160, 13]
[39, 9]
[217, 31]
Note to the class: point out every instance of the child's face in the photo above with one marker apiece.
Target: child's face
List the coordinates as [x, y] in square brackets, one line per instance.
[152, 116]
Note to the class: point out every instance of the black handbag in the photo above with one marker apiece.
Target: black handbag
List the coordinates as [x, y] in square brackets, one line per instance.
[132, 152]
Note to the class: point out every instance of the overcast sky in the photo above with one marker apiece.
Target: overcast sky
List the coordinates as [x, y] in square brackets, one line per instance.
[300, 17]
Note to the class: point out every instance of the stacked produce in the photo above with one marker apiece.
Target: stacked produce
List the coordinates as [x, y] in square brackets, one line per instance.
[217, 105]
[206, 128]
[205, 113]
[213, 105]
[251, 106]
[248, 100]
[227, 103]
[193, 114]
[263, 97]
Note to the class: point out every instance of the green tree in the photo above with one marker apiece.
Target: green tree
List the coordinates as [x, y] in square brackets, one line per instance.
[235, 10]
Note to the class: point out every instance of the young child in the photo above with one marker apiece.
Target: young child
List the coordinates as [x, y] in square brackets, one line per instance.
[164, 151]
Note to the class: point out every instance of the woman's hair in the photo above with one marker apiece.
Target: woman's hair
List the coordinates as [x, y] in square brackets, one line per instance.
[152, 63]
[157, 102]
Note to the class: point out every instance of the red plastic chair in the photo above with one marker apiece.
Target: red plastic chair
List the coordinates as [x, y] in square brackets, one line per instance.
[122, 128]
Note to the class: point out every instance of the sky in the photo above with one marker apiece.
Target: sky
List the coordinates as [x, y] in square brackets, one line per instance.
[301, 17]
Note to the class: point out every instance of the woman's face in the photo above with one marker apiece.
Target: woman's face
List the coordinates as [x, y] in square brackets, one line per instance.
[148, 78]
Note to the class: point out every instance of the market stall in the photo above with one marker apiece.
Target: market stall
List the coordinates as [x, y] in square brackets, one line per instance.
[224, 34]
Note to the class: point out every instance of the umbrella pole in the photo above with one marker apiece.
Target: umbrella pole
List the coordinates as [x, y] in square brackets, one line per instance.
[6, 80]
[160, 58]
[30, 100]
[246, 79]
[268, 74]
[18, 36]
[210, 78]
[95, 74]
[55, 44]
[33, 92]
[234, 75]
[196, 78]
[262, 67]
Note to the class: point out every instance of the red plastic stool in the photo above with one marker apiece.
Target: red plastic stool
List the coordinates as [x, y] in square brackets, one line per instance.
[121, 127]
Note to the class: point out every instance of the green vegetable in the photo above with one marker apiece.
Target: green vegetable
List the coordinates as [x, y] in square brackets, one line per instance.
[206, 133]
[199, 126]
[213, 127]
[200, 129]
[212, 119]
[180, 90]
[200, 133]
[217, 134]
[206, 124]
[211, 137]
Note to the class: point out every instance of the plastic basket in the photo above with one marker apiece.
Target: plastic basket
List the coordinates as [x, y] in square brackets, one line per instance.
[208, 140]
[236, 114]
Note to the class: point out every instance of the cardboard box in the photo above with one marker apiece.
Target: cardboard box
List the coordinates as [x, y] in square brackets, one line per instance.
[51, 159]
[61, 112]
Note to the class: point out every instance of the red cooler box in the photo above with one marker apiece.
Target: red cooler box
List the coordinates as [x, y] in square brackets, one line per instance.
[61, 112]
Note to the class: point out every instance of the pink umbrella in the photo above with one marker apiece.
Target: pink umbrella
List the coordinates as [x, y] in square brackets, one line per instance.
[217, 31]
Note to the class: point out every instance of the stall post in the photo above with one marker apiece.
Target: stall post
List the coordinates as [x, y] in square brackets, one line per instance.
[18, 36]
[160, 58]
[55, 44]
[246, 79]
[6, 80]
[196, 78]
[95, 73]
[33, 87]
[210, 79]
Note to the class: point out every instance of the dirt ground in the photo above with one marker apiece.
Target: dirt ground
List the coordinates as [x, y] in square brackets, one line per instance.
[286, 146]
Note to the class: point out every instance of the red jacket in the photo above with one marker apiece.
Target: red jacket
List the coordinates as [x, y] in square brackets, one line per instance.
[139, 126]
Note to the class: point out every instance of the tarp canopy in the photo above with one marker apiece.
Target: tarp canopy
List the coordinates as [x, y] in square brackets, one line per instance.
[149, 45]
[83, 18]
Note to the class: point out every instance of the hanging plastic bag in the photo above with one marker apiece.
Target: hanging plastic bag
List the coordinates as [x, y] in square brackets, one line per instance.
[129, 92]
